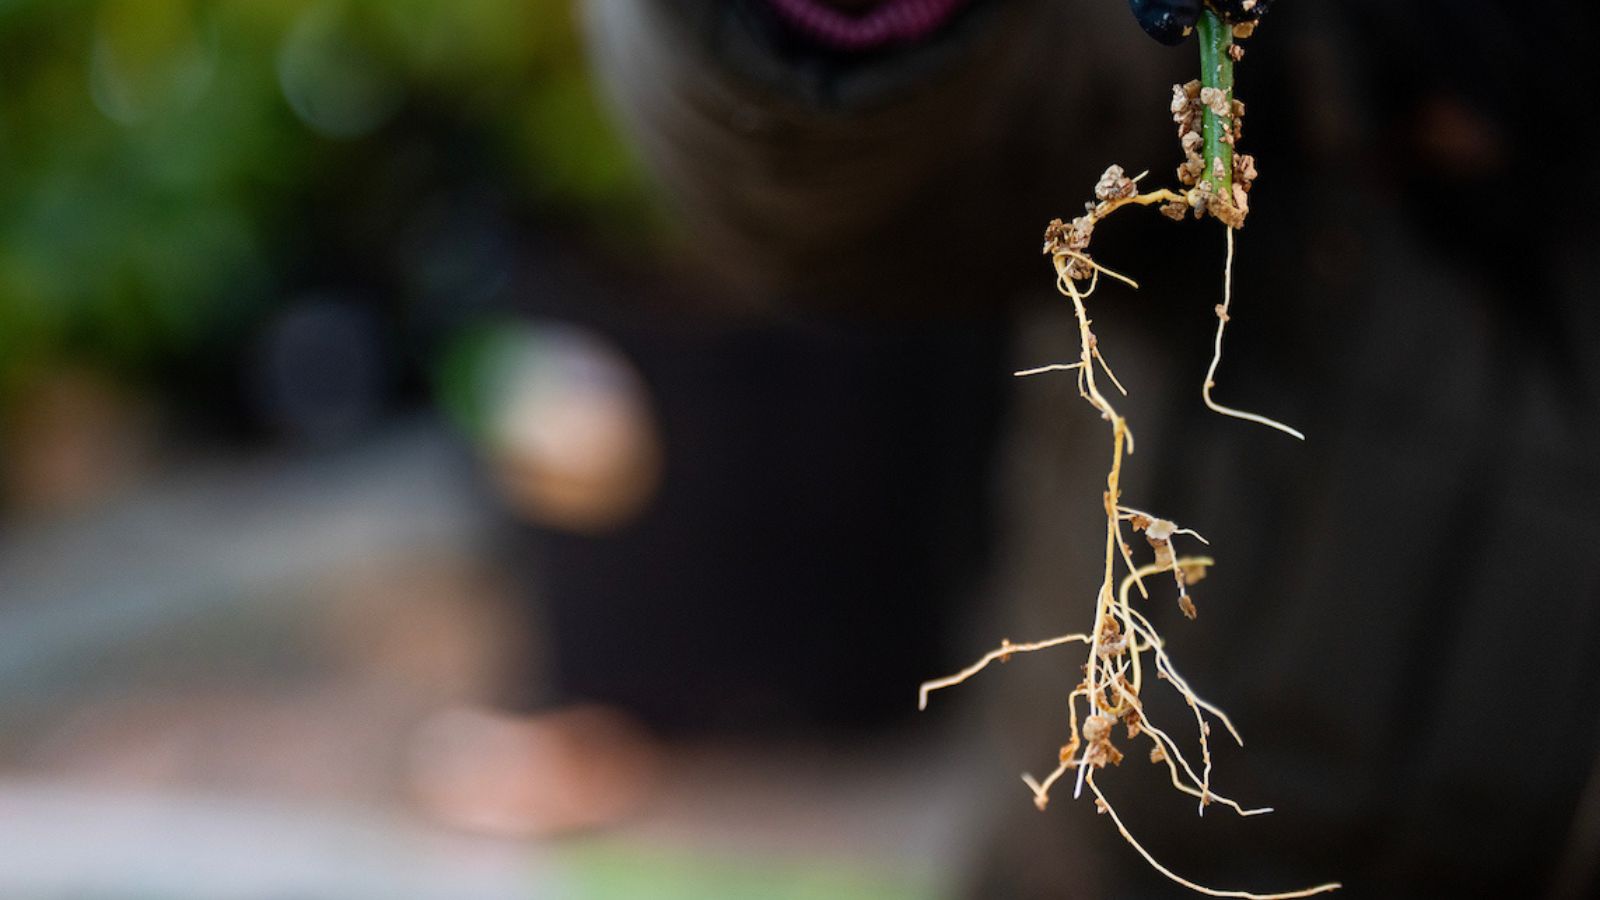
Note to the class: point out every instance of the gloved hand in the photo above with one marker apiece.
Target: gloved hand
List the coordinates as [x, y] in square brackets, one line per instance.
[1172, 21]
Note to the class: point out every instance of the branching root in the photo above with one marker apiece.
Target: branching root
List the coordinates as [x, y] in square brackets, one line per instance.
[1124, 645]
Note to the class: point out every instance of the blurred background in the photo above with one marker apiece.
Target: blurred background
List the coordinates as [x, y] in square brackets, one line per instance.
[466, 450]
[300, 361]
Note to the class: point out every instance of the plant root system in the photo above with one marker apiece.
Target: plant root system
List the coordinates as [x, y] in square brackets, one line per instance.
[1123, 645]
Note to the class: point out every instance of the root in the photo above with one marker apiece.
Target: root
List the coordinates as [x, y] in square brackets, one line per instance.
[1003, 654]
[1041, 790]
[1102, 269]
[1106, 367]
[1130, 513]
[1216, 357]
[1123, 636]
[1123, 641]
[1053, 367]
[1105, 805]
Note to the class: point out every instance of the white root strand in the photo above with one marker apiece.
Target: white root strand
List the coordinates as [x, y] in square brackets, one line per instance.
[1199, 888]
[1216, 358]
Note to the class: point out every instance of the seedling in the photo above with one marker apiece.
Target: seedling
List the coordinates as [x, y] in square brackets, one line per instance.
[1123, 645]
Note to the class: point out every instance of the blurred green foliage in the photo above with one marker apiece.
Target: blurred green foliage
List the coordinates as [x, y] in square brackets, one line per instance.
[615, 871]
[157, 157]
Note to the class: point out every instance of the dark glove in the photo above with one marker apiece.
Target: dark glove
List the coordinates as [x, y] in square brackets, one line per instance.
[1172, 21]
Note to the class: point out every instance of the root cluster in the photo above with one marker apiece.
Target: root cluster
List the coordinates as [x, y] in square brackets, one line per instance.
[1106, 713]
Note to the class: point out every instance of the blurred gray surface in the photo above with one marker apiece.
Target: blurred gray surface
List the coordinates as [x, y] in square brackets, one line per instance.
[85, 842]
[226, 535]
[208, 688]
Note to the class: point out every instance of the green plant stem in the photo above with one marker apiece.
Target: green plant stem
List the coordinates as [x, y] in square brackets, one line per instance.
[1216, 71]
